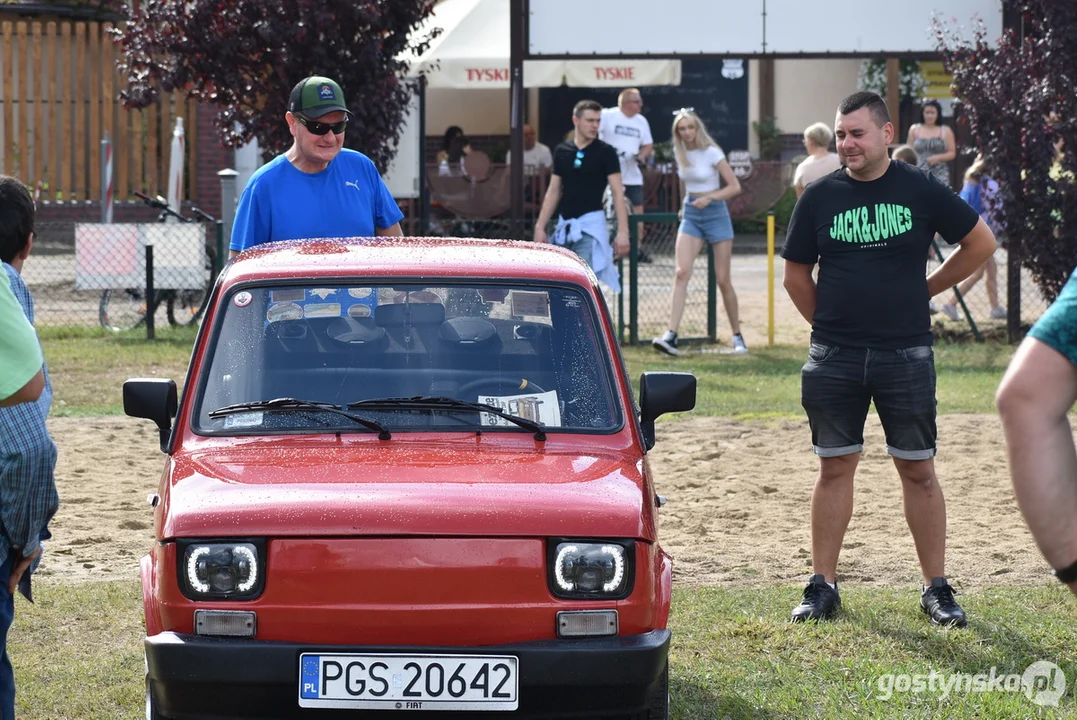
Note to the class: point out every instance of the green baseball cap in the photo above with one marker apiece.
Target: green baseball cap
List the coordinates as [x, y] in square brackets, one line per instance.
[315, 96]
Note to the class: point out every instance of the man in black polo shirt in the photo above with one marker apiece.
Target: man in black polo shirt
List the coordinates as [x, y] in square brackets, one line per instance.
[869, 225]
[582, 168]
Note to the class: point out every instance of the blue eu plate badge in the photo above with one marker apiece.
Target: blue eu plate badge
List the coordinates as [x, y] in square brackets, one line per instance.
[309, 678]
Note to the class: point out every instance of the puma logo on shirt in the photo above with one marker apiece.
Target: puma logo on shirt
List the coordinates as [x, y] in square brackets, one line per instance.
[352, 183]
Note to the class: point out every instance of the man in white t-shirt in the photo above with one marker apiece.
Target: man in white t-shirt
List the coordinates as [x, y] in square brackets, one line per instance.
[625, 128]
[537, 156]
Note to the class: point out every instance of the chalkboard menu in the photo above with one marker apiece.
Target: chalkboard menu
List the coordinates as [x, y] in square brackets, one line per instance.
[716, 89]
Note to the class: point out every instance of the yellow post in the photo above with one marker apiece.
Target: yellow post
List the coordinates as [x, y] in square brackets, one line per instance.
[770, 278]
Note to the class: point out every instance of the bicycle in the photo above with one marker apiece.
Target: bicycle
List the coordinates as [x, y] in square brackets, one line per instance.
[125, 309]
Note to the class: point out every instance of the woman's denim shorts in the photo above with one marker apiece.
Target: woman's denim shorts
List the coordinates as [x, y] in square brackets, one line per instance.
[712, 223]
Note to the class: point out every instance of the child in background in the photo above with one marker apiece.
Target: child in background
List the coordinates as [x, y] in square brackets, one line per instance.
[905, 154]
[979, 192]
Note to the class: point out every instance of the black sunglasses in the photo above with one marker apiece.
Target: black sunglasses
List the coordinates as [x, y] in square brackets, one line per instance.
[320, 128]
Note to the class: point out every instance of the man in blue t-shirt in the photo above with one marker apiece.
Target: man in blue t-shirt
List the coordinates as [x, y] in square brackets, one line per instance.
[316, 189]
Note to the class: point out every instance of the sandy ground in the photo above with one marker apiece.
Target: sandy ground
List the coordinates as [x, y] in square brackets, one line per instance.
[737, 514]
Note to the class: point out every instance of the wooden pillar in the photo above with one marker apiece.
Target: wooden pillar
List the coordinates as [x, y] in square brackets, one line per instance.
[766, 89]
[893, 95]
[517, 40]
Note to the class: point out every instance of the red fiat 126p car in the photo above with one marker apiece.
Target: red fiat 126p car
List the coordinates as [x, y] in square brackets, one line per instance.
[407, 475]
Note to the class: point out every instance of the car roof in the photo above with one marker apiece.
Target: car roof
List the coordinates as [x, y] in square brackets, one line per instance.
[404, 257]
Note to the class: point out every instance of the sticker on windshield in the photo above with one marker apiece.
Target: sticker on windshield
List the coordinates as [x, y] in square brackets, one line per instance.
[284, 311]
[287, 295]
[359, 311]
[243, 299]
[243, 420]
[530, 303]
[539, 407]
[323, 293]
[318, 310]
[359, 293]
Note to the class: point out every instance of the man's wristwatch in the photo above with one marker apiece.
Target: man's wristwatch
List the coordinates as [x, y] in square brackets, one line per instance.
[1067, 574]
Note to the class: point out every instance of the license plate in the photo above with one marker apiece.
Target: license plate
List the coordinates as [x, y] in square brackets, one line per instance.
[408, 682]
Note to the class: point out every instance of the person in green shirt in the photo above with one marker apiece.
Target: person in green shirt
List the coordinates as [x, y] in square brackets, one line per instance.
[22, 379]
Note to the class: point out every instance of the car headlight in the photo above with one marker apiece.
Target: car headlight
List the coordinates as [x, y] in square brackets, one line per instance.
[591, 569]
[221, 570]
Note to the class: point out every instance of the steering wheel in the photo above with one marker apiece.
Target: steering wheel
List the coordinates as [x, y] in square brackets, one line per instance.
[503, 385]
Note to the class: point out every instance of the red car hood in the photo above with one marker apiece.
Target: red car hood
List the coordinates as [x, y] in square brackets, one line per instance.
[469, 488]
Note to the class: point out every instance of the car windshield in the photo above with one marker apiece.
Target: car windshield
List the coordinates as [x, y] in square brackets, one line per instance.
[290, 358]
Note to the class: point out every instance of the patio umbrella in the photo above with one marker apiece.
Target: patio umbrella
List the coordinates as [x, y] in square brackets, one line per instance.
[175, 169]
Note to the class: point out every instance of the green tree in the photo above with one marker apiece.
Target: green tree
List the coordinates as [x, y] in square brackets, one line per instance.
[244, 57]
[1020, 102]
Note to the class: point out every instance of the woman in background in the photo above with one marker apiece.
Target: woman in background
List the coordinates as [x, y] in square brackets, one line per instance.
[933, 142]
[820, 160]
[708, 182]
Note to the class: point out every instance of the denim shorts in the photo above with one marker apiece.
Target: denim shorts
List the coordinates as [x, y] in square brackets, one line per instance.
[712, 223]
[582, 247]
[837, 384]
[634, 195]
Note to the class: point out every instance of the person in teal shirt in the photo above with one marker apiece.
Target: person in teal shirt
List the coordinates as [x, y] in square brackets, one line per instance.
[28, 497]
[22, 379]
[1034, 401]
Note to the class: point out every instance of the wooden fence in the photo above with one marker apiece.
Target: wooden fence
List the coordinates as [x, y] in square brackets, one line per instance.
[59, 91]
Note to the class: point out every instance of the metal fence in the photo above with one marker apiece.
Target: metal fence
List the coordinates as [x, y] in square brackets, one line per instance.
[111, 275]
[644, 305]
[988, 310]
[93, 275]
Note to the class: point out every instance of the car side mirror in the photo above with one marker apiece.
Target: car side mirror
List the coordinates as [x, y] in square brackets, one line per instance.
[660, 393]
[153, 399]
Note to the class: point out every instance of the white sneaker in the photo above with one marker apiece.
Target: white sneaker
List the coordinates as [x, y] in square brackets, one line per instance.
[998, 313]
[950, 311]
[739, 348]
[667, 343]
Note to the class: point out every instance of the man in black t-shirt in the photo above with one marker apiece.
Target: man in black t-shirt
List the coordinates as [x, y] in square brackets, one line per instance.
[869, 225]
[582, 168]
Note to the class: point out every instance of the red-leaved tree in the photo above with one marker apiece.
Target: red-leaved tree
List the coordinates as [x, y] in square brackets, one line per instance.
[1020, 98]
[244, 57]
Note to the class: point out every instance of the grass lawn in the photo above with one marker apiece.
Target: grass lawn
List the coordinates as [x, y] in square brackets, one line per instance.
[88, 367]
[88, 370]
[766, 383]
[78, 654]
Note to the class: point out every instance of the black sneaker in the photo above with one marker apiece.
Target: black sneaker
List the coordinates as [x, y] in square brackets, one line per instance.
[937, 602]
[666, 343]
[820, 601]
[644, 258]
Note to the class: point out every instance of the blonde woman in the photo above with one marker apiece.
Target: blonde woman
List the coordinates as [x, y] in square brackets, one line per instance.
[707, 181]
[820, 160]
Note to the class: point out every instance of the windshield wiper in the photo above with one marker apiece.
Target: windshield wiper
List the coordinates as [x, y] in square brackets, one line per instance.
[294, 404]
[442, 403]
